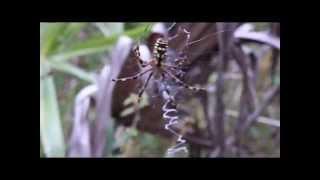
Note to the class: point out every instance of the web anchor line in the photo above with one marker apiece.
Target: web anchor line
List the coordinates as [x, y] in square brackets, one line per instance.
[172, 120]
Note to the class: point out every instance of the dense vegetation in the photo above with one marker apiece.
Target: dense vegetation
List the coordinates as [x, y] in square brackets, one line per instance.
[84, 114]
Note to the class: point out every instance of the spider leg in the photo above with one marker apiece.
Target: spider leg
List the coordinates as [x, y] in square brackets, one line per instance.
[182, 52]
[176, 35]
[171, 66]
[144, 86]
[183, 83]
[132, 77]
[172, 25]
[163, 76]
[138, 58]
[178, 68]
[184, 49]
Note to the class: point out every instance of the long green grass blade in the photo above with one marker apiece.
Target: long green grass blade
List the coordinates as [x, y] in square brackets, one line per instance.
[109, 29]
[77, 52]
[50, 37]
[96, 44]
[73, 70]
[51, 133]
[73, 29]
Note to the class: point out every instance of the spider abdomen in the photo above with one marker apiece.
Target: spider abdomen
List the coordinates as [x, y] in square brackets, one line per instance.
[160, 50]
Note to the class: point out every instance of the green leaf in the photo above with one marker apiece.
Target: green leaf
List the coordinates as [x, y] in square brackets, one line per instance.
[50, 37]
[139, 32]
[90, 46]
[96, 41]
[73, 29]
[109, 29]
[73, 70]
[110, 140]
[51, 133]
[43, 27]
[132, 99]
[127, 111]
[69, 36]
[44, 68]
[133, 132]
[276, 80]
[41, 151]
[96, 44]
[76, 53]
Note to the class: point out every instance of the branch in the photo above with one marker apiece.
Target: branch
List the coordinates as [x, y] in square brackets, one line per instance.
[206, 143]
[218, 122]
[248, 80]
[275, 30]
[79, 142]
[260, 119]
[269, 98]
[104, 121]
[248, 101]
[243, 32]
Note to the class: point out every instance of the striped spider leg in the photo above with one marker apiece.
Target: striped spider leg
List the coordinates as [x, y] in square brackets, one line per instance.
[182, 56]
[180, 59]
[132, 77]
[144, 86]
[141, 64]
[185, 85]
[137, 57]
[157, 65]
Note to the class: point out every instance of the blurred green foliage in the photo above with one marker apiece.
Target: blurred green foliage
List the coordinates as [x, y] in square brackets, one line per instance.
[70, 53]
[134, 143]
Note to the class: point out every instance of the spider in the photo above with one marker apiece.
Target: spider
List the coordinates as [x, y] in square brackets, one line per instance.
[157, 66]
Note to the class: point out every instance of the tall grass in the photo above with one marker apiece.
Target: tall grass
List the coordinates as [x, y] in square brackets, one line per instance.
[59, 44]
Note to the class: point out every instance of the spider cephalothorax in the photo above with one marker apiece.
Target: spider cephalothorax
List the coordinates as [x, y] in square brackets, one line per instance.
[158, 67]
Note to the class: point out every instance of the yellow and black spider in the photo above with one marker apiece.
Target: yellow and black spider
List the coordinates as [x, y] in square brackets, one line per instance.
[157, 67]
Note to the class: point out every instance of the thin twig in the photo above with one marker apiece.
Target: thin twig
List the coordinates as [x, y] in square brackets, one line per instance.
[248, 101]
[269, 98]
[275, 30]
[243, 61]
[206, 143]
[260, 119]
